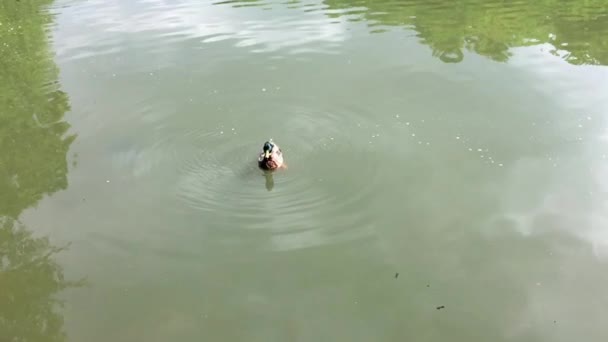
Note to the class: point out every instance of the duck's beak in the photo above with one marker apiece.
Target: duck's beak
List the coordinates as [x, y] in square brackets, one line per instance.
[266, 154]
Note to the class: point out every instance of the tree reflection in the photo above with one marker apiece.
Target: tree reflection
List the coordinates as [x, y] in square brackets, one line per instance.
[576, 29]
[33, 148]
[33, 144]
[29, 282]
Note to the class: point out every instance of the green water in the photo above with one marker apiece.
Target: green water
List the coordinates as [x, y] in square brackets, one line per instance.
[446, 181]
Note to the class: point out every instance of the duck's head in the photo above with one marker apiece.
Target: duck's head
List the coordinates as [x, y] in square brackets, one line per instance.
[268, 146]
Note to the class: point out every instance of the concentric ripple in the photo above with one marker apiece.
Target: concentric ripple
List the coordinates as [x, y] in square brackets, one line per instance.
[218, 178]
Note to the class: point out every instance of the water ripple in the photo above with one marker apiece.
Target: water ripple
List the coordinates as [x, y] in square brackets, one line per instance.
[220, 179]
[105, 23]
[308, 27]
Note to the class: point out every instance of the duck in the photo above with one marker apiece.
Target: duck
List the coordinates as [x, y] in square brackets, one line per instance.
[271, 157]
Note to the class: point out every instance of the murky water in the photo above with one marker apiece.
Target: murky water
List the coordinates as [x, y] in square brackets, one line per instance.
[446, 181]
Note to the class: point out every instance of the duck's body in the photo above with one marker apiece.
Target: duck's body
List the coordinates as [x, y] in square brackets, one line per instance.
[271, 158]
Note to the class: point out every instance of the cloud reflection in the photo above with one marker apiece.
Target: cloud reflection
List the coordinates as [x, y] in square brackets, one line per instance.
[294, 31]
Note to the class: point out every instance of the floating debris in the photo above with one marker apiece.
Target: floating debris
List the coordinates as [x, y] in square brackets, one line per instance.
[441, 307]
[396, 275]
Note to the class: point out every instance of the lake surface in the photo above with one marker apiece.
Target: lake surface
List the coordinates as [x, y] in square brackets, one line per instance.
[446, 181]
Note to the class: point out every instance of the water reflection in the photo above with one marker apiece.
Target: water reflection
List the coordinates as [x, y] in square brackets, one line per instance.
[269, 180]
[576, 29]
[34, 141]
[240, 23]
[240, 3]
[30, 281]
